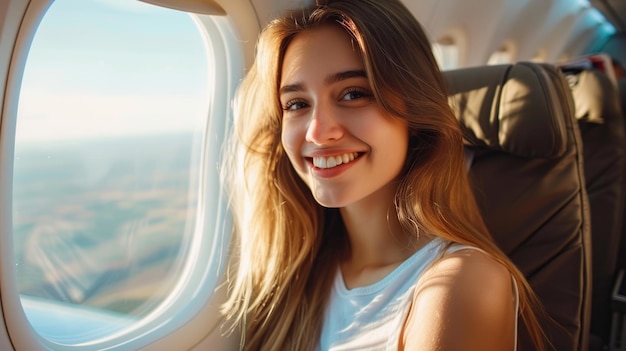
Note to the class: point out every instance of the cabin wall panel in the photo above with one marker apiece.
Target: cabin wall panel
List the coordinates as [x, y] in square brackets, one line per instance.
[424, 10]
[583, 33]
[477, 21]
[529, 25]
[556, 38]
[614, 11]
[11, 14]
[552, 27]
[246, 23]
[507, 35]
[586, 41]
[266, 10]
[616, 47]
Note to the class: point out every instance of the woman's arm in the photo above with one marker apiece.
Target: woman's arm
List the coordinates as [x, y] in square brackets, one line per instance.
[465, 301]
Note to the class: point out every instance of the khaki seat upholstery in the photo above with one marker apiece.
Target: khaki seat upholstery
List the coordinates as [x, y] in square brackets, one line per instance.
[618, 323]
[621, 92]
[528, 180]
[601, 126]
[621, 84]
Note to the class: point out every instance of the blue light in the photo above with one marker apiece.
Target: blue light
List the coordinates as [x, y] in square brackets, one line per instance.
[596, 15]
[608, 28]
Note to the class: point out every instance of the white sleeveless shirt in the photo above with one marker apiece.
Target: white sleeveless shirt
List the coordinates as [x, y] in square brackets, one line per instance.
[372, 317]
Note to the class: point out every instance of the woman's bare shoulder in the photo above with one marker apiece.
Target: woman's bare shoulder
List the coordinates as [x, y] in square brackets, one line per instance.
[467, 266]
[464, 301]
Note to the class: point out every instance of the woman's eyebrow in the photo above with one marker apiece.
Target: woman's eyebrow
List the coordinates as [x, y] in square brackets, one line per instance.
[333, 78]
[290, 88]
[337, 77]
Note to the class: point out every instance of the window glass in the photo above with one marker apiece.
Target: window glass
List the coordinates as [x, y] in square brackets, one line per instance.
[446, 53]
[110, 128]
[540, 56]
[501, 56]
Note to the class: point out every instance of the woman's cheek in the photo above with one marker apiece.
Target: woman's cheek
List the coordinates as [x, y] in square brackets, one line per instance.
[292, 139]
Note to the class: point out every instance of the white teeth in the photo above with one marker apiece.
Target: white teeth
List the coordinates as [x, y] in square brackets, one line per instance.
[333, 161]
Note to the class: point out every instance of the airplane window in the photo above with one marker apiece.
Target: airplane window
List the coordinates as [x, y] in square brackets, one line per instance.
[540, 56]
[564, 57]
[447, 53]
[502, 56]
[108, 152]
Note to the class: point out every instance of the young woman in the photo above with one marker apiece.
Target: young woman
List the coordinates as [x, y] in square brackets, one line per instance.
[356, 225]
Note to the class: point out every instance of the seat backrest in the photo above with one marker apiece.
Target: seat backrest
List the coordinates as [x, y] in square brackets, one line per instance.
[528, 180]
[621, 85]
[621, 90]
[601, 126]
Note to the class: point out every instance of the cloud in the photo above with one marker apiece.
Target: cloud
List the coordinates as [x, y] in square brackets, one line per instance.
[45, 117]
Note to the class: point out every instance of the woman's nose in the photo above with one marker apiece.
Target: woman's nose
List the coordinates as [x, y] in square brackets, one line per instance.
[324, 126]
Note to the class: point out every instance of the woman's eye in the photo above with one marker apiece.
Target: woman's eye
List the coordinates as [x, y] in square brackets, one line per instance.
[355, 94]
[293, 105]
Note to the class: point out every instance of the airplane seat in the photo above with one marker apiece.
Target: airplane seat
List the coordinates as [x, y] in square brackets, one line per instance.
[621, 85]
[527, 175]
[621, 90]
[618, 293]
[601, 126]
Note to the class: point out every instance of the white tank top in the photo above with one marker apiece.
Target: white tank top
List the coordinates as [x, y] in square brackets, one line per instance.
[372, 317]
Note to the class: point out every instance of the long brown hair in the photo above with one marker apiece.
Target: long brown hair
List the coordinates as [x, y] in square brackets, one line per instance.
[284, 259]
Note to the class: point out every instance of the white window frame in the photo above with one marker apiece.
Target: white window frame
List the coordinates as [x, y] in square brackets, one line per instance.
[504, 55]
[189, 313]
[447, 52]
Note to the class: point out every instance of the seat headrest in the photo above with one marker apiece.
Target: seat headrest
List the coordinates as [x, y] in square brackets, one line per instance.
[510, 108]
[595, 96]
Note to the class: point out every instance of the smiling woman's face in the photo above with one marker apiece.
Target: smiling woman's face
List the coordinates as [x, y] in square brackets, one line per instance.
[341, 143]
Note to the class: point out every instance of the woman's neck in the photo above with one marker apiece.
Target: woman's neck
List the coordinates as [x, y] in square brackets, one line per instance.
[378, 242]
